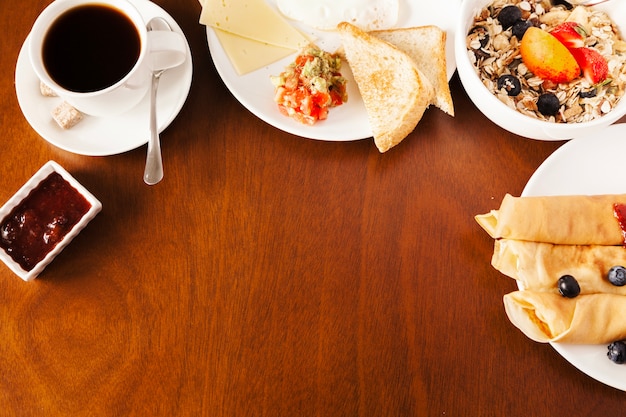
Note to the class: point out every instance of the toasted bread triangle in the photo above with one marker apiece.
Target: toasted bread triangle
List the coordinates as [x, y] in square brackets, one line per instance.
[426, 45]
[394, 90]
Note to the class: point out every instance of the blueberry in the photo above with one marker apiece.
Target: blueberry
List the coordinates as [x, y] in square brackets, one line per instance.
[548, 104]
[520, 27]
[567, 4]
[568, 286]
[511, 84]
[589, 93]
[509, 15]
[481, 33]
[617, 275]
[617, 352]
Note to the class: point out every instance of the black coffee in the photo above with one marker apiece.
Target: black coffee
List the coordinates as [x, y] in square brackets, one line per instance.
[90, 47]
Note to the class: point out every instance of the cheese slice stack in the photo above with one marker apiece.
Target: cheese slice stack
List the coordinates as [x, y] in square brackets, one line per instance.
[251, 32]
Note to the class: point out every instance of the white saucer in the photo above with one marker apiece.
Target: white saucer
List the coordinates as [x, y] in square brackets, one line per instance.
[100, 136]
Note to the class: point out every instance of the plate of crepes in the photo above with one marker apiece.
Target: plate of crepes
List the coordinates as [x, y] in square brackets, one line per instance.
[258, 45]
[563, 240]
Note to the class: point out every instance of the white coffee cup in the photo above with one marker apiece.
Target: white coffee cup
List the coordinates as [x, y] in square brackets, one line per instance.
[120, 95]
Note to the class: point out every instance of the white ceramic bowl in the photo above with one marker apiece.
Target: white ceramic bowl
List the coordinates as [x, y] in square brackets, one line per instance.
[508, 118]
[22, 193]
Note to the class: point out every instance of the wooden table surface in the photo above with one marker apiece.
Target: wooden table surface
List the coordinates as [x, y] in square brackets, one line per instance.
[271, 275]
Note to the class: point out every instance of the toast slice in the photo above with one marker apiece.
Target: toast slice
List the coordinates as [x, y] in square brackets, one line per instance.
[426, 45]
[394, 90]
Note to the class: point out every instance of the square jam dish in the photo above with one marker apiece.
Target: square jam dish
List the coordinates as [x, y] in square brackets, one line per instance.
[42, 218]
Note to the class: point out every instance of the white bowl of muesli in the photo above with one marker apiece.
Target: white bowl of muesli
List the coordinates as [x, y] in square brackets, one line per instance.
[498, 79]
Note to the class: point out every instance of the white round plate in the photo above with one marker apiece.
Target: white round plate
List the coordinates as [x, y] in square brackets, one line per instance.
[100, 136]
[586, 165]
[348, 121]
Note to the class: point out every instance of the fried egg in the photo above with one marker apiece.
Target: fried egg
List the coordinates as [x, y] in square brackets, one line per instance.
[327, 14]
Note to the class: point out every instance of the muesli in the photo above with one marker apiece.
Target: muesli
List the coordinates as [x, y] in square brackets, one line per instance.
[494, 50]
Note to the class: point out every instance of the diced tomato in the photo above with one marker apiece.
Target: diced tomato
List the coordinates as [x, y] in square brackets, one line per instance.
[336, 97]
[292, 82]
[321, 99]
[301, 60]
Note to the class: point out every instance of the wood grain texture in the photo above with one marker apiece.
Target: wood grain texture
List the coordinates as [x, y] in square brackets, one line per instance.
[270, 275]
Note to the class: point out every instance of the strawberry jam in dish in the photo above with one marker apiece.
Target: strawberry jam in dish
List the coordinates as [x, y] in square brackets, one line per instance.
[310, 86]
[35, 226]
[550, 62]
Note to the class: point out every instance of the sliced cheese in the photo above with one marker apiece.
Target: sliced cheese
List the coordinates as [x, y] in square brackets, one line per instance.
[252, 19]
[248, 55]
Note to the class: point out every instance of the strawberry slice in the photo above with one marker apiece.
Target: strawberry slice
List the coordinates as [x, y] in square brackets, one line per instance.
[570, 34]
[593, 65]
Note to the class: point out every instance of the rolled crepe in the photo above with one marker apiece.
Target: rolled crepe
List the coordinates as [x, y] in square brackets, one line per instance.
[568, 220]
[586, 319]
[538, 266]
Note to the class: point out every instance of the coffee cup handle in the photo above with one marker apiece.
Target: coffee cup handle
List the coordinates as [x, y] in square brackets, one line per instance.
[166, 49]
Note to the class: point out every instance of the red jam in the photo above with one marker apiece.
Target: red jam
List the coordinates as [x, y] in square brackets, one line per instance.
[41, 220]
[620, 214]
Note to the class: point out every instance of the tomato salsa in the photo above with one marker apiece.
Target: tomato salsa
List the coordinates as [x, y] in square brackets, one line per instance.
[310, 85]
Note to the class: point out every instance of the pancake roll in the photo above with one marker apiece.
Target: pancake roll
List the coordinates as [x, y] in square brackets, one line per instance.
[567, 220]
[586, 319]
[538, 266]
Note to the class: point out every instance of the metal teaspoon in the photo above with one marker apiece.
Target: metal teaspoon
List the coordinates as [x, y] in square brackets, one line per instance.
[153, 172]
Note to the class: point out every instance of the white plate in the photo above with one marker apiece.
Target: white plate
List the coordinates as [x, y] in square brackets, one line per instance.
[348, 121]
[100, 136]
[589, 165]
